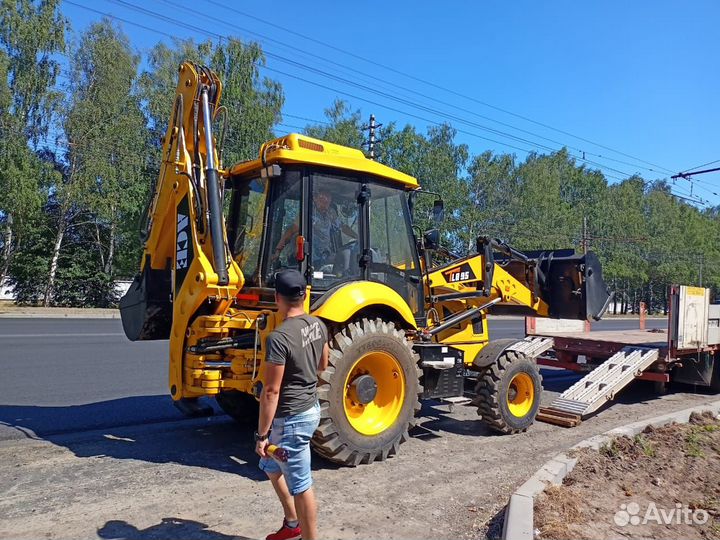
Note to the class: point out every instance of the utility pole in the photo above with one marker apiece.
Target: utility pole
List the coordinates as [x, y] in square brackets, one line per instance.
[701, 260]
[371, 140]
[585, 250]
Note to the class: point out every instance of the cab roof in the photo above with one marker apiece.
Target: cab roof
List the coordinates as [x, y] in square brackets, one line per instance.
[295, 148]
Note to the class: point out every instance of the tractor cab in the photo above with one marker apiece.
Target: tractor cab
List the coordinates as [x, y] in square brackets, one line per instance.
[327, 211]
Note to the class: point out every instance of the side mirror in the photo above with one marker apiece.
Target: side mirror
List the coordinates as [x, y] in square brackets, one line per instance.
[438, 211]
[431, 239]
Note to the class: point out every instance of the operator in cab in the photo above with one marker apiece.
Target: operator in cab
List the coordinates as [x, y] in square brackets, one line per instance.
[326, 231]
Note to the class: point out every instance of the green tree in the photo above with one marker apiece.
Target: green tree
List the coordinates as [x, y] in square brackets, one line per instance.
[493, 196]
[113, 135]
[543, 217]
[625, 261]
[343, 126]
[103, 174]
[253, 102]
[439, 165]
[30, 34]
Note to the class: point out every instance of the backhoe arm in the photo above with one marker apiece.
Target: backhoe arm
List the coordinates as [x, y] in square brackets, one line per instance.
[186, 262]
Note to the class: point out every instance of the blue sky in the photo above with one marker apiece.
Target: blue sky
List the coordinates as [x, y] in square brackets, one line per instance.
[639, 77]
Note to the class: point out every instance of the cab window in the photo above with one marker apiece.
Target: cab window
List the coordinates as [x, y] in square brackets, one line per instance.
[393, 259]
[245, 225]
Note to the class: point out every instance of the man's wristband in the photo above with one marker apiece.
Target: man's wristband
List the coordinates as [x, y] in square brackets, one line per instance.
[259, 438]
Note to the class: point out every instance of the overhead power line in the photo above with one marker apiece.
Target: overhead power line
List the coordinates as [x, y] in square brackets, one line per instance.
[394, 87]
[434, 85]
[688, 171]
[306, 119]
[693, 173]
[690, 177]
[534, 146]
[353, 83]
[394, 96]
[325, 74]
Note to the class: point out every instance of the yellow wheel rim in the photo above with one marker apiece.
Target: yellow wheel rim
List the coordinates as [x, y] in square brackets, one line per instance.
[382, 412]
[521, 395]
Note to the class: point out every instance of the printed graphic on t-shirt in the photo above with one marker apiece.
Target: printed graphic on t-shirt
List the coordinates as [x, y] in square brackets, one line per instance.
[310, 334]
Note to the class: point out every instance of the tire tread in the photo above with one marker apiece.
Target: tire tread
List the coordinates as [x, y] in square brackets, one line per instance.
[328, 441]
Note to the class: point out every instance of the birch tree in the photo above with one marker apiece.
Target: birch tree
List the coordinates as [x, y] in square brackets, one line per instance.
[103, 176]
[30, 34]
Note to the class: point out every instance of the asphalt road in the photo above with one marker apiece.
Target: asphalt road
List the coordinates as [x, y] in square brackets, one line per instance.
[142, 476]
[67, 375]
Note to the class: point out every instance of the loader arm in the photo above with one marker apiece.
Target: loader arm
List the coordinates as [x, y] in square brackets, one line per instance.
[508, 281]
[186, 262]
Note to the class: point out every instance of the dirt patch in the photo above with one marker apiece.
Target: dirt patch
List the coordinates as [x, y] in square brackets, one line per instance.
[662, 483]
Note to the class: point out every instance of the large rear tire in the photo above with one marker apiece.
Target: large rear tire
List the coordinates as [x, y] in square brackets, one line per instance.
[508, 393]
[369, 394]
[241, 407]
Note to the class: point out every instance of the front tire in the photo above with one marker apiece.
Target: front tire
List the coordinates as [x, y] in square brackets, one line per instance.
[359, 422]
[508, 393]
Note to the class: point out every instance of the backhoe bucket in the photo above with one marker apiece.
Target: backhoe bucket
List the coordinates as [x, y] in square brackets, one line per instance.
[573, 286]
[145, 309]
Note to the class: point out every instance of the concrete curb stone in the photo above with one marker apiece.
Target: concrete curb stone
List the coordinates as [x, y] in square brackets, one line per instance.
[60, 313]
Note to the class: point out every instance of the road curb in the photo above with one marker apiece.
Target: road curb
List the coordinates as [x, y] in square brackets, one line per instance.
[519, 518]
[91, 314]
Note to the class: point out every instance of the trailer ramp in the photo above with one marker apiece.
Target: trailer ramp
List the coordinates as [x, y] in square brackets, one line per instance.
[598, 387]
[532, 346]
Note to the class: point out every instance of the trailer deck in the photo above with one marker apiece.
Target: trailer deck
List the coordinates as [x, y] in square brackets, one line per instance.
[584, 351]
[685, 352]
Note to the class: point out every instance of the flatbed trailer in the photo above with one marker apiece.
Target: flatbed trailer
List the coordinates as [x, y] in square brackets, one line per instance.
[687, 351]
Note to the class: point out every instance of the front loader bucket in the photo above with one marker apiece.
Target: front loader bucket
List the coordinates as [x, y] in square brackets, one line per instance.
[573, 286]
[145, 309]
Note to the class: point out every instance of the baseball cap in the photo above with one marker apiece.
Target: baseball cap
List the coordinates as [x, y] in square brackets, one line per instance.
[290, 284]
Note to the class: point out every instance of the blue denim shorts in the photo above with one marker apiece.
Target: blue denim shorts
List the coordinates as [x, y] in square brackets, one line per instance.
[293, 433]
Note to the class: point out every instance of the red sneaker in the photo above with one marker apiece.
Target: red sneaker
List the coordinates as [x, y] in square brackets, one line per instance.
[285, 533]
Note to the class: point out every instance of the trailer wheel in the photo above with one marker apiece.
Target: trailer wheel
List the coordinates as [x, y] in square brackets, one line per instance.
[508, 393]
[369, 394]
[239, 406]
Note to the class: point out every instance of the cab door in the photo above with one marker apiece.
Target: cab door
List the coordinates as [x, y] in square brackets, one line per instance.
[393, 257]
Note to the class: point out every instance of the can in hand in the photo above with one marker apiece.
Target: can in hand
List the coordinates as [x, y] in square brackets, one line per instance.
[277, 453]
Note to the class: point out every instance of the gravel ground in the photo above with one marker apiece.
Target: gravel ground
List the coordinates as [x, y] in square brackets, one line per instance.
[198, 478]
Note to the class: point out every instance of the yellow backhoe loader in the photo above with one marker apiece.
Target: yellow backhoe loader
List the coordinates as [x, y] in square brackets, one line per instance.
[402, 329]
